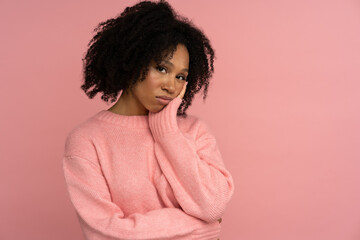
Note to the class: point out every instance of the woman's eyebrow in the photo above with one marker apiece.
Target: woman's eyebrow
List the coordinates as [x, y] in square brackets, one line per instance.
[170, 63]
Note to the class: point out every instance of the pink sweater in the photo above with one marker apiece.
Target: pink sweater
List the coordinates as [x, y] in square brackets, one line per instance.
[155, 176]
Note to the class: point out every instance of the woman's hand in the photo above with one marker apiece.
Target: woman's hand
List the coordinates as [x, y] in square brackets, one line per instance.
[182, 93]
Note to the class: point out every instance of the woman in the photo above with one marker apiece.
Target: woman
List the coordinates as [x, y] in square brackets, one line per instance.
[144, 169]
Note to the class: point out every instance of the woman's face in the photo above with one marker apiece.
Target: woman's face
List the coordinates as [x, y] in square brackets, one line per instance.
[166, 78]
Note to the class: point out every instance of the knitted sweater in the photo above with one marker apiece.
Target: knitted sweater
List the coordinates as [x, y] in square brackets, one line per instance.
[155, 176]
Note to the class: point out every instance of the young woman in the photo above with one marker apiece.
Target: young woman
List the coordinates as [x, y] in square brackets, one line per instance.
[144, 169]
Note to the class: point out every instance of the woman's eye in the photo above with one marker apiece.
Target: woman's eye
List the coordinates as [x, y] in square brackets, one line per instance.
[183, 78]
[161, 69]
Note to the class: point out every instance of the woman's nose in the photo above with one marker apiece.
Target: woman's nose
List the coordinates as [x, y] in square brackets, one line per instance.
[170, 83]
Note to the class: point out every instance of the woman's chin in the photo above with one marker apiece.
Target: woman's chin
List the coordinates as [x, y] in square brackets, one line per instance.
[157, 108]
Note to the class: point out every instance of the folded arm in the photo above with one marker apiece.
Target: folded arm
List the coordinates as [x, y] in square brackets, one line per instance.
[102, 219]
[193, 167]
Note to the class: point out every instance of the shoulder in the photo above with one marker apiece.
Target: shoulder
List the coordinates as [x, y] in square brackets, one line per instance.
[196, 125]
[80, 140]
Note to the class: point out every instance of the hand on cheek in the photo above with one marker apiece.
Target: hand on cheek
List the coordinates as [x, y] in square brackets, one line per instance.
[182, 93]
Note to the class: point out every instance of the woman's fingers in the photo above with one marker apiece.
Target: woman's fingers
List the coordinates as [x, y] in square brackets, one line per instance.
[182, 93]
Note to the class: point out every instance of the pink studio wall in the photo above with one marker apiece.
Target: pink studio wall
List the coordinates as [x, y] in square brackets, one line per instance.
[283, 104]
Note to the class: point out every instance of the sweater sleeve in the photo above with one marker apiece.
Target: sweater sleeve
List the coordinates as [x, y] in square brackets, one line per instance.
[193, 167]
[102, 219]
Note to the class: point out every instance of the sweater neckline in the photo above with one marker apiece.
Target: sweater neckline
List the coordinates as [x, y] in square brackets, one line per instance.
[130, 121]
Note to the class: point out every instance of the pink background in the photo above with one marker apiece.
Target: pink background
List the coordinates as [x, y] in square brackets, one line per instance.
[284, 105]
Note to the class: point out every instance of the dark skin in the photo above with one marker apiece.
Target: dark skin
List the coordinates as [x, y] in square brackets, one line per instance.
[166, 79]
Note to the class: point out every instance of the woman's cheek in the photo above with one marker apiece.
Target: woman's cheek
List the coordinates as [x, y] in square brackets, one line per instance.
[153, 79]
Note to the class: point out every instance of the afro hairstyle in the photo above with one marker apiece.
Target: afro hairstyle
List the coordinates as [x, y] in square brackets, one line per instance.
[120, 52]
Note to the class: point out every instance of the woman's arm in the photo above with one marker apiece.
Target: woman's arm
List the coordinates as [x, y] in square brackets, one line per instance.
[193, 167]
[101, 219]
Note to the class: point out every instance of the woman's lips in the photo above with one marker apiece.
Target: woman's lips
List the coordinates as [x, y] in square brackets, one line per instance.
[163, 101]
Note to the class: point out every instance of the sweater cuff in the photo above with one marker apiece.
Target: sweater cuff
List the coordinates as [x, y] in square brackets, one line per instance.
[165, 121]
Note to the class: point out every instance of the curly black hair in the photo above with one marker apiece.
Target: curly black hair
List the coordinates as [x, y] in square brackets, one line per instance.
[120, 52]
